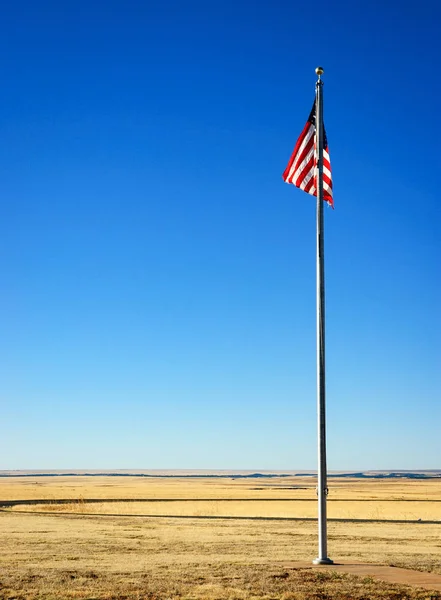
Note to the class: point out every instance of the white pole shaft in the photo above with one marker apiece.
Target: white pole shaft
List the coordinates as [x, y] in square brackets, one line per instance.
[322, 488]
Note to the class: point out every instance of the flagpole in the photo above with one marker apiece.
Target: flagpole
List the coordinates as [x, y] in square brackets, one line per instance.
[322, 489]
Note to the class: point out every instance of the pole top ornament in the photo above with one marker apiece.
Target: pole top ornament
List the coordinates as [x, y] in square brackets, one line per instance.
[319, 71]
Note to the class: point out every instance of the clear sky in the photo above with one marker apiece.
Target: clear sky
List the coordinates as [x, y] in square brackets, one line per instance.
[158, 277]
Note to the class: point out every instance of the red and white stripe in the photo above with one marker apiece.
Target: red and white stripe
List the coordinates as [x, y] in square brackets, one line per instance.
[302, 166]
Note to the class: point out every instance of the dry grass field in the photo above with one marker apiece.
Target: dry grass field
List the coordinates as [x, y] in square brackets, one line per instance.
[105, 550]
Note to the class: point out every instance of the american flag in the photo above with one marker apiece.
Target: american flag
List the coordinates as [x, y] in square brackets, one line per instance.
[302, 166]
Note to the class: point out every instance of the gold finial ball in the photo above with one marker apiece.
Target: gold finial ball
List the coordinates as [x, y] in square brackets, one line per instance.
[319, 71]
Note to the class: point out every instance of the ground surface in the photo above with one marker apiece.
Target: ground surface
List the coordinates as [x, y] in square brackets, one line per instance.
[60, 551]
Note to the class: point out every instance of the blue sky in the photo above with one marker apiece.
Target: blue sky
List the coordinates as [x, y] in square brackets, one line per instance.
[157, 275]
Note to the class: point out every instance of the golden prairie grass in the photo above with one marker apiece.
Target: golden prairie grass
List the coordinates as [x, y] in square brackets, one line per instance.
[291, 497]
[107, 487]
[45, 556]
[352, 509]
[79, 556]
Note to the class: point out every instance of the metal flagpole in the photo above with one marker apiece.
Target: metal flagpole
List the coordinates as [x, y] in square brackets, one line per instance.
[322, 489]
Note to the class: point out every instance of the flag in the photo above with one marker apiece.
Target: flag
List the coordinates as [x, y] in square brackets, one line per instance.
[302, 167]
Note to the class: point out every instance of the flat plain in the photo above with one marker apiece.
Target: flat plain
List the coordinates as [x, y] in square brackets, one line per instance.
[169, 538]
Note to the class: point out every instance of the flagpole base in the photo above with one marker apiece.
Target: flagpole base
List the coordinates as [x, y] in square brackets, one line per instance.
[322, 561]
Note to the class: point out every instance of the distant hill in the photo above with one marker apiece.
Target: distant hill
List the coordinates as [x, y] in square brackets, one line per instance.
[398, 474]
